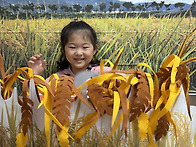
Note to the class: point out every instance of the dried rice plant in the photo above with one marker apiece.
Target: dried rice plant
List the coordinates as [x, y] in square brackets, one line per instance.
[3, 136]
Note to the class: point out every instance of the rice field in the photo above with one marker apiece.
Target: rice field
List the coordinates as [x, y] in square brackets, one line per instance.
[149, 40]
[145, 40]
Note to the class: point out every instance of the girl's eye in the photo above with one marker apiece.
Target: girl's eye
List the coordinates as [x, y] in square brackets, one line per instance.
[72, 47]
[85, 47]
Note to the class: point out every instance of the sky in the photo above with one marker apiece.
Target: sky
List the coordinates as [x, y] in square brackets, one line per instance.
[158, 1]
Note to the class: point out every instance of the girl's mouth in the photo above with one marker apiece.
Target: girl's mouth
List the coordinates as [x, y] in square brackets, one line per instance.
[79, 60]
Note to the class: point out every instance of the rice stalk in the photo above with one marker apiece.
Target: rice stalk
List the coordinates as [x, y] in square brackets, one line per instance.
[4, 139]
[12, 124]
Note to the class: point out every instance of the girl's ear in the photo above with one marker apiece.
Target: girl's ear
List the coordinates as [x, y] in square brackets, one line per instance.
[95, 50]
[62, 49]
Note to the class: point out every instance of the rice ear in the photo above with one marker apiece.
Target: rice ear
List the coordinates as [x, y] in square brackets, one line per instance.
[142, 98]
[180, 53]
[62, 101]
[26, 109]
[2, 67]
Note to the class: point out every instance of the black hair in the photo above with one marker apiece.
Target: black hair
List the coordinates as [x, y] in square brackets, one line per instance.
[73, 26]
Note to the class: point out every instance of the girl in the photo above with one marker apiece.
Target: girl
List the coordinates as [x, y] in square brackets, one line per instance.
[78, 46]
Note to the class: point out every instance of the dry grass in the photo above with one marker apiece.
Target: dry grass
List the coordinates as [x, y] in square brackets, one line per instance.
[97, 138]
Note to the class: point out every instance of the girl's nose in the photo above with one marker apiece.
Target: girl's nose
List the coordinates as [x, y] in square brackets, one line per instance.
[79, 52]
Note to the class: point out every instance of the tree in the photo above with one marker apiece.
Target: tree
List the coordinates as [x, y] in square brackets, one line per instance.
[88, 8]
[157, 7]
[111, 6]
[128, 5]
[116, 6]
[179, 4]
[40, 8]
[24, 7]
[102, 6]
[53, 7]
[161, 4]
[4, 11]
[77, 7]
[153, 4]
[167, 6]
[139, 6]
[133, 8]
[146, 5]
[14, 7]
[29, 6]
[193, 6]
[66, 8]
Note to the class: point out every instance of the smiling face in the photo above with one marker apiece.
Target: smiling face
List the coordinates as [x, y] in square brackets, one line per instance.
[79, 50]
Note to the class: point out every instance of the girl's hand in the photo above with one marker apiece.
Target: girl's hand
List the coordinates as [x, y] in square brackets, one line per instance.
[36, 64]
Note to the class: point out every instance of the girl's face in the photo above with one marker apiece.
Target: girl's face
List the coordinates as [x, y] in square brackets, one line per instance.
[79, 51]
